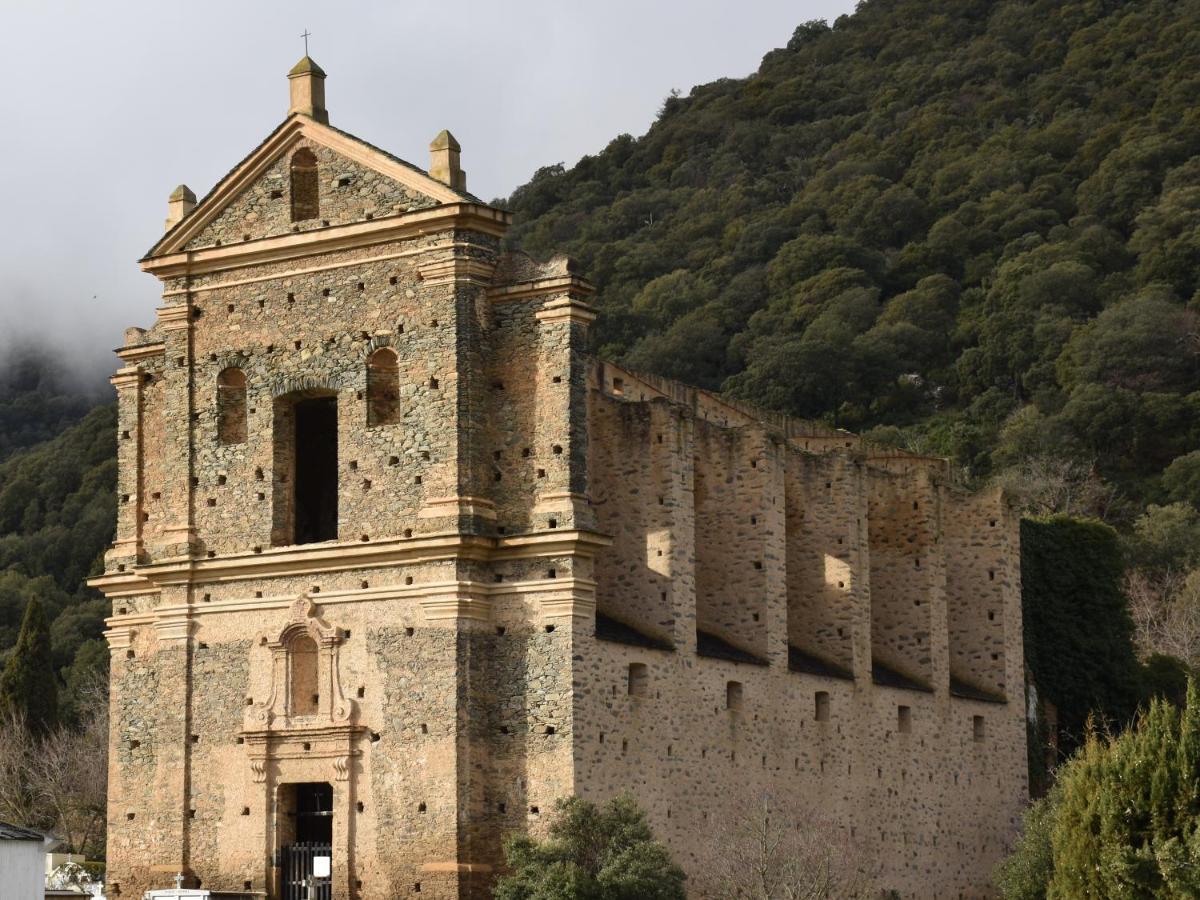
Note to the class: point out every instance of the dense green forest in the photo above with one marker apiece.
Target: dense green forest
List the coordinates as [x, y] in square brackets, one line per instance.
[57, 515]
[969, 229]
[37, 401]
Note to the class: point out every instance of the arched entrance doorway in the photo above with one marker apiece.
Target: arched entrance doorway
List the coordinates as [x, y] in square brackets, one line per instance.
[305, 840]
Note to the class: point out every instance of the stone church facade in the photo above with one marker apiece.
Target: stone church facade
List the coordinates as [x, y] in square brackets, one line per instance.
[398, 564]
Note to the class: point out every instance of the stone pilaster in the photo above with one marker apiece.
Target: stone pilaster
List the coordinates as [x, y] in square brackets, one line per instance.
[179, 533]
[858, 560]
[172, 662]
[561, 427]
[772, 480]
[457, 499]
[673, 459]
[127, 545]
[462, 760]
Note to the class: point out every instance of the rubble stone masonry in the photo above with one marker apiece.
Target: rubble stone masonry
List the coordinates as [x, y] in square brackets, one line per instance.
[385, 525]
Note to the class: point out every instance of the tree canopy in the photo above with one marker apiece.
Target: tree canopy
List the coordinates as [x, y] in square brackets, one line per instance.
[921, 221]
[593, 853]
[1124, 819]
[57, 516]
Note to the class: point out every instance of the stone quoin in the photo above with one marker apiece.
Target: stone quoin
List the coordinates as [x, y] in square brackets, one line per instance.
[398, 564]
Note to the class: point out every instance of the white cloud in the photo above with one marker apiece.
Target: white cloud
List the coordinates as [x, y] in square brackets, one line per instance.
[108, 106]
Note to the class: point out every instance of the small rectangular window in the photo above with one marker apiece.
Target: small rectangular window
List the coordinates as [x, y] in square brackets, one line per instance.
[639, 679]
[821, 706]
[904, 719]
[977, 729]
[733, 695]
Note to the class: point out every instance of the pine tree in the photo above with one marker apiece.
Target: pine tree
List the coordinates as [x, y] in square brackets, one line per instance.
[27, 685]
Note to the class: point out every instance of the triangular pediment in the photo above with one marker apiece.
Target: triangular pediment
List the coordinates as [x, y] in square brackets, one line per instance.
[356, 182]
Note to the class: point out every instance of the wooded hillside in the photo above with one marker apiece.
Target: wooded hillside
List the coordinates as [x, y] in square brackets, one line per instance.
[969, 228]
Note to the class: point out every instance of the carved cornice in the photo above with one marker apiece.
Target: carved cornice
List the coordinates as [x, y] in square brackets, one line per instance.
[140, 352]
[468, 601]
[118, 638]
[194, 289]
[565, 310]
[127, 377]
[551, 543]
[571, 285]
[175, 317]
[574, 604]
[456, 269]
[337, 743]
[440, 600]
[307, 559]
[173, 623]
[449, 217]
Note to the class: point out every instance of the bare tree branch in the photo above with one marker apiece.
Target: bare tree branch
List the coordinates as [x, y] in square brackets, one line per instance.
[1166, 613]
[768, 854]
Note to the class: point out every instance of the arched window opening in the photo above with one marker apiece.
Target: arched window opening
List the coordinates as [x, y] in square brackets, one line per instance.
[231, 406]
[304, 691]
[383, 387]
[306, 200]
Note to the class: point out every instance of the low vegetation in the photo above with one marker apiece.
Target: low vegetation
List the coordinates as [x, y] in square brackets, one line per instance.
[592, 853]
[1124, 819]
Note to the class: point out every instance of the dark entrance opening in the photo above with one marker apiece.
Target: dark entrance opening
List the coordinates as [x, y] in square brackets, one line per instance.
[305, 836]
[316, 443]
[314, 813]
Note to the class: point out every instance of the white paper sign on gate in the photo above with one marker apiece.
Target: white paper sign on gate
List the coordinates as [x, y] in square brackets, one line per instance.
[321, 866]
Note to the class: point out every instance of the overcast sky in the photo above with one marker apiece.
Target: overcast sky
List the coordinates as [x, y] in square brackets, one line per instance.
[107, 106]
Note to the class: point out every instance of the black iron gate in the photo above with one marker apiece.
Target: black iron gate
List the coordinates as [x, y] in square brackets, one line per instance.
[295, 868]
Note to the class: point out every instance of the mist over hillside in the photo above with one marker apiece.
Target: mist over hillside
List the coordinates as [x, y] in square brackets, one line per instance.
[44, 390]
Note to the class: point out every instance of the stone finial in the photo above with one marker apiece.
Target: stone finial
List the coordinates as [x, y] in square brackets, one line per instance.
[306, 82]
[181, 202]
[443, 161]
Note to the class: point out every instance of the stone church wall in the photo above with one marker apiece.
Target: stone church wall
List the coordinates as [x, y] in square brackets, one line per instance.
[550, 576]
[892, 771]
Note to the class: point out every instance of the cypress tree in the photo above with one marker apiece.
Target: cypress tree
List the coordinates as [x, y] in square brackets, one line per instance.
[27, 685]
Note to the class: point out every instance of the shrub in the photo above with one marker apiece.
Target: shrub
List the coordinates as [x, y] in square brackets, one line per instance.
[593, 853]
